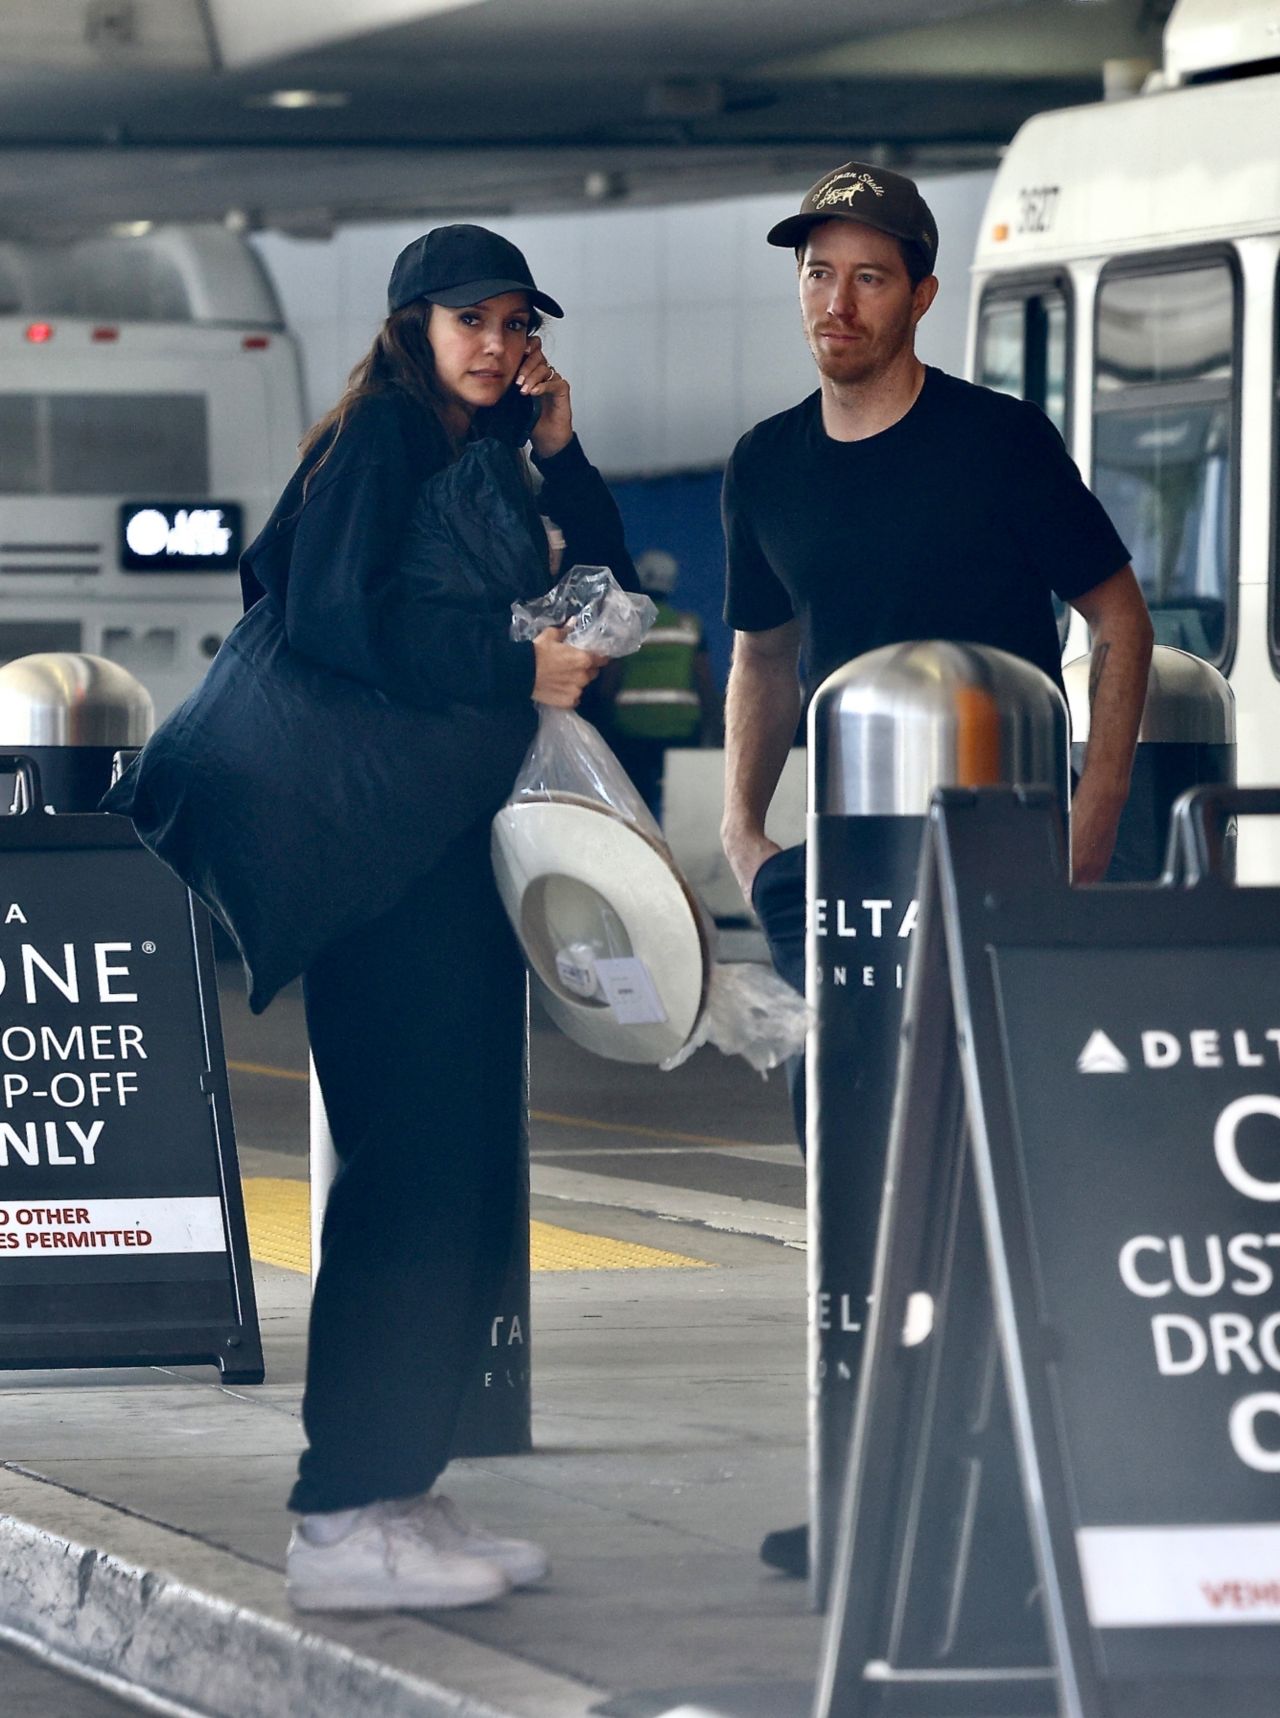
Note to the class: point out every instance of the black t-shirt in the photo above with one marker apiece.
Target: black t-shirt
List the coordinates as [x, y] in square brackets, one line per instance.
[957, 522]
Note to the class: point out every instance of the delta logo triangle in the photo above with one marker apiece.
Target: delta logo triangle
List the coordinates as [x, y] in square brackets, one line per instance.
[1101, 1056]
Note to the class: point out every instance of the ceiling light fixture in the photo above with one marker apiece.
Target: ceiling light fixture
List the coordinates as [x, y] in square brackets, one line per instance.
[130, 229]
[293, 99]
[603, 185]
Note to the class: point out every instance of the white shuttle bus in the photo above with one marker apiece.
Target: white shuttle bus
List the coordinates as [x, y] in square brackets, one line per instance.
[150, 410]
[1125, 279]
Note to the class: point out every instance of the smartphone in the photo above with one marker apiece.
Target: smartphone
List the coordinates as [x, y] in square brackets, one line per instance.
[512, 419]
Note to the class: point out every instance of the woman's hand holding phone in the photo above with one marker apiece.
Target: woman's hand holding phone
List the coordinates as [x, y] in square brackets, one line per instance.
[538, 379]
[562, 672]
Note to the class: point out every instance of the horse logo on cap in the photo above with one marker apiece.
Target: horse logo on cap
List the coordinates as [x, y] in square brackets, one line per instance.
[835, 192]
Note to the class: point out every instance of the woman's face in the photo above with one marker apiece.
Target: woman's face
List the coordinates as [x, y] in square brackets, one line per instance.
[478, 349]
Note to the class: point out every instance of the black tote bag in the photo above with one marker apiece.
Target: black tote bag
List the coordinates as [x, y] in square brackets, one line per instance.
[299, 803]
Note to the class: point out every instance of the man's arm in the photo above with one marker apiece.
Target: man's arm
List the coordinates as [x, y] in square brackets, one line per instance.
[762, 707]
[710, 703]
[1121, 633]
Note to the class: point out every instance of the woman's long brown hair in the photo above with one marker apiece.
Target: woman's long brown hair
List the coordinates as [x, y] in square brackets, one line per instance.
[400, 357]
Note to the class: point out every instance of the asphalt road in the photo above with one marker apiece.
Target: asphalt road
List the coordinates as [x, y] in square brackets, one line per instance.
[677, 1128]
[32, 1690]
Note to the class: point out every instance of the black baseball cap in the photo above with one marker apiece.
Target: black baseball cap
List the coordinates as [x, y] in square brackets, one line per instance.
[858, 192]
[462, 265]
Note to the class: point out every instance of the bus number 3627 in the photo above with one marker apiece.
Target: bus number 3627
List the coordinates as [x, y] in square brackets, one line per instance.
[1037, 206]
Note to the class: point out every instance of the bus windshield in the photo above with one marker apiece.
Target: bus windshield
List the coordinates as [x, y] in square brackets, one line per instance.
[150, 444]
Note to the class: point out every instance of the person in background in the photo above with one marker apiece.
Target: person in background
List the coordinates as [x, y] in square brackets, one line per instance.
[665, 695]
[897, 503]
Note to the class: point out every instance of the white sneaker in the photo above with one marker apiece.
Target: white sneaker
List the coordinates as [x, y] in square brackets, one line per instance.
[382, 1563]
[440, 1523]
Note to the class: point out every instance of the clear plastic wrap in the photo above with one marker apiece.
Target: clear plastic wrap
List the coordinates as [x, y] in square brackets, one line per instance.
[568, 756]
[600, 615]
[747, 1010]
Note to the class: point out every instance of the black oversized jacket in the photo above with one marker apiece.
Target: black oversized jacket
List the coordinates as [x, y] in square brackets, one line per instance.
[370, 706]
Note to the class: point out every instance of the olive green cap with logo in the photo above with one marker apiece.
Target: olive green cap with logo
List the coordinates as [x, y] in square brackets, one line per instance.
[874, 196]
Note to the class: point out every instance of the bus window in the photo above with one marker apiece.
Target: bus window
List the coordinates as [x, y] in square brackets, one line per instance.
[148, 445]
[1164, 459]
[1022, 350]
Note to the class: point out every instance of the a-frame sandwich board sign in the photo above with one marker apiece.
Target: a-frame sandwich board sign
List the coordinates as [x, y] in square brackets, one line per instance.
[122, 1226]
[1064, 1482]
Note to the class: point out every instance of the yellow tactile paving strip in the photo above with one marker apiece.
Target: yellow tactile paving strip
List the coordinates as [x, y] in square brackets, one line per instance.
[278, 1213]
[279, 1218]
[552, 1248]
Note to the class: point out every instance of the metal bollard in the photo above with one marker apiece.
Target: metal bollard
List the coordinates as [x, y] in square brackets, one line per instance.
[72, 713]
[1187, 739]
[884, 731]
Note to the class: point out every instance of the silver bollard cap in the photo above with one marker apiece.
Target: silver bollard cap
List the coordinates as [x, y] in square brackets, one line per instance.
[891, 726]
[66, 698]
[1188, 701]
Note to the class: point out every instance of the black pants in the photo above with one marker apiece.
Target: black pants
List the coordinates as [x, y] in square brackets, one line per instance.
[417, 1028]
[778, 898]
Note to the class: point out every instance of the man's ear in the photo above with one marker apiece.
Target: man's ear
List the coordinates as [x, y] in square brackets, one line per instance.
[923, 296]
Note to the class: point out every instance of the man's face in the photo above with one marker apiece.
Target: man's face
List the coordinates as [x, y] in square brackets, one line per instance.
[857, 300]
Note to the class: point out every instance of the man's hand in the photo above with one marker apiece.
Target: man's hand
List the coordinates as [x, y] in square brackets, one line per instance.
[746, 850]
[562, 672]
[761, 712]
[1095, 817]
[1121, 636]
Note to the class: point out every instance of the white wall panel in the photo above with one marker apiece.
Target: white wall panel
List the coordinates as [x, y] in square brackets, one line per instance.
[767, 272]
[367, 254]
[774, 367]
[957, 204]
[682, 327]
[620, 259]
[700, 260]
[698, 377]
[555, 248]
[616, 404]
[563, 343]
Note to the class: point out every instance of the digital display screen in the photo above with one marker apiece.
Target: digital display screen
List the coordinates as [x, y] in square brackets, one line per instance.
[180, 537]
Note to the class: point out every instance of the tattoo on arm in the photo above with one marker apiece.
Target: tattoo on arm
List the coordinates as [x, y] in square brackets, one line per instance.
[1096, 668]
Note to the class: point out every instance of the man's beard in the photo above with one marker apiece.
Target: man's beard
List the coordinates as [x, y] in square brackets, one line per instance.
[854, 363]
[861, 360]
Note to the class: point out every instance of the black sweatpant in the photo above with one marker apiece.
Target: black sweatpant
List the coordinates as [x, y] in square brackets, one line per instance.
[417, 1026]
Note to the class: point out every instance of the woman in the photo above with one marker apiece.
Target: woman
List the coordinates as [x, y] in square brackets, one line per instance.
[416, 1020]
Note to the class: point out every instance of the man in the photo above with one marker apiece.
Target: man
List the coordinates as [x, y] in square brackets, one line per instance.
[665, 695]
[896, 503]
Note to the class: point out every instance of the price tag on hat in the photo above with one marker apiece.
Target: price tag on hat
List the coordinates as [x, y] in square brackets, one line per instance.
[630, 992]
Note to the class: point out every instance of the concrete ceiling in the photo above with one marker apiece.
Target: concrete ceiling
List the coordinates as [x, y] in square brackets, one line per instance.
[124, 110]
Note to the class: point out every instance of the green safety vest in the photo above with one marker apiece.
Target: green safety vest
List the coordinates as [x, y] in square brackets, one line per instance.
[657, 698]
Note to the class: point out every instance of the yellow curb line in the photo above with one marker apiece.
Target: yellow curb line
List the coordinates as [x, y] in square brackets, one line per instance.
[279, 1218]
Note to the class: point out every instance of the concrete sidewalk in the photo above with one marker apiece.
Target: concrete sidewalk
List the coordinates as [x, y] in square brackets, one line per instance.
[144, 1526]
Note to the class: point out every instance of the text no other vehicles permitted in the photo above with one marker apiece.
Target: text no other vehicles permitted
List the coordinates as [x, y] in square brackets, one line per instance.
[113, 1226]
